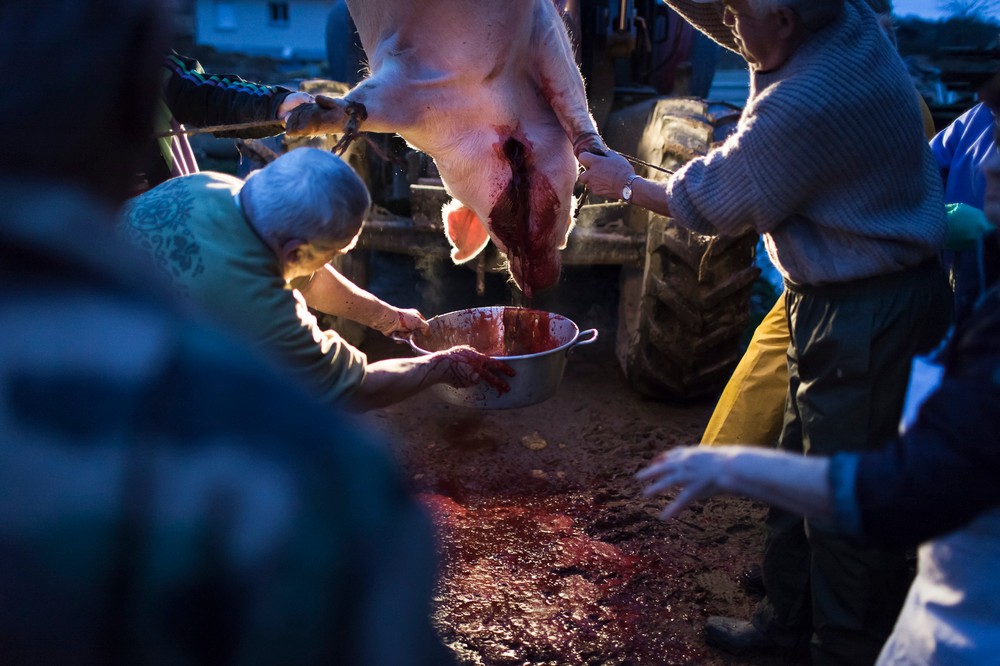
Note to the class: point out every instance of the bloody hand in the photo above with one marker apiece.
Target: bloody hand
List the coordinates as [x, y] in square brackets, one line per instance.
[466, 367]
[402, 322]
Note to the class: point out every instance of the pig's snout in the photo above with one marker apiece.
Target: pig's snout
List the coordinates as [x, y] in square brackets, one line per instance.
[535, 273]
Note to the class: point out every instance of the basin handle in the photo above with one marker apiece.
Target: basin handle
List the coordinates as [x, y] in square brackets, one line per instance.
[592, 332]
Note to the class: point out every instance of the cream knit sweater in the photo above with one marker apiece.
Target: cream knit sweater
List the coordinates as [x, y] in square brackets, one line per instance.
[829, 161]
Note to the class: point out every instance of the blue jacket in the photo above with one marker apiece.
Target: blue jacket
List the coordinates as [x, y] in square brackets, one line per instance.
[961, 149]
[945, 470]
[939, 485]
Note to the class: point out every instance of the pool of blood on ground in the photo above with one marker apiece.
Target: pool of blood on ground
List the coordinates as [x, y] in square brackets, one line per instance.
[570, 598]
[538, 573]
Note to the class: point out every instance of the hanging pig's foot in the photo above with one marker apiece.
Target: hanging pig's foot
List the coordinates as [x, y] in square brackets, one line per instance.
[327, 115]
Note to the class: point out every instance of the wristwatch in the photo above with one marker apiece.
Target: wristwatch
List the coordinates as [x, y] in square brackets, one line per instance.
[627, 190]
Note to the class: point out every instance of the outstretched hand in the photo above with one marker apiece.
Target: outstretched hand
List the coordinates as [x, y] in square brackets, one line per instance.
[466, 366]
[796, 483]
[695, 469]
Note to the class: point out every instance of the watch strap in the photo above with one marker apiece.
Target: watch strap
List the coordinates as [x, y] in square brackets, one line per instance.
[627, 191]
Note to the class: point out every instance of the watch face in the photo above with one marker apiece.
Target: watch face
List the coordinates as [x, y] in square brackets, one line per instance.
[627, 193]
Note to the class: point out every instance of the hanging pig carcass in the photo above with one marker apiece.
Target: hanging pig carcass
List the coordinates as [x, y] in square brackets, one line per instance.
[491, 91]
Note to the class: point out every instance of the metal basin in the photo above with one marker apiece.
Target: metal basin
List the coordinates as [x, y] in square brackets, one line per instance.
[532, 342]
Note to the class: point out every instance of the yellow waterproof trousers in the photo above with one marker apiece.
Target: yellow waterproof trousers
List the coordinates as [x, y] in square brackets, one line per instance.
[752, 406]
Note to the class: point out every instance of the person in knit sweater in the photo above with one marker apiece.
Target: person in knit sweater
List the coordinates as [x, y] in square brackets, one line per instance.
[830, 164]
[935, 484]
[751, 408]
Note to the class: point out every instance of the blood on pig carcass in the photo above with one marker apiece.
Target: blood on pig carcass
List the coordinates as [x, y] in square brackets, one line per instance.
[490, 89]
[528, 197]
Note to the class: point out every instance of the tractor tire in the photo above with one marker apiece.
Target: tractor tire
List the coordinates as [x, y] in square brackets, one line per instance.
[682, 316]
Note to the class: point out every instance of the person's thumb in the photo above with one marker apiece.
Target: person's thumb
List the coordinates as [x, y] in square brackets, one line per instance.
[587, 159]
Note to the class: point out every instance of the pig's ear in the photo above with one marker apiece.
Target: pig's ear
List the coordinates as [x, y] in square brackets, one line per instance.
[466, 232]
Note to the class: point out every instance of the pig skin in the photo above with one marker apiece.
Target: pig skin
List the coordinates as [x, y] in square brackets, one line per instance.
[491, 91]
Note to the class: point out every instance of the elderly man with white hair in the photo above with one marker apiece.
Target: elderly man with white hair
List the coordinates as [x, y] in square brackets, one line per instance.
[935, 484]
[232, 247]
[830, 164]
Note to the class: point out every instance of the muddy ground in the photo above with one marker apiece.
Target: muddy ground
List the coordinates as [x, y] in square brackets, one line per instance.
[549, 554]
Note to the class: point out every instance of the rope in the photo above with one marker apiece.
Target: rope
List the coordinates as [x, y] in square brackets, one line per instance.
[636, 160]
[211, 129]
[351, 132]
[217, 128]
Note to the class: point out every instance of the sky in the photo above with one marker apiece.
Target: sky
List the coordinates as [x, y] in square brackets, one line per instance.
[924, 8]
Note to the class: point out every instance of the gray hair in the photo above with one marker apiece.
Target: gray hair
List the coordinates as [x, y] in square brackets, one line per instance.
[814, 14]
[307, 194]
[883, 12]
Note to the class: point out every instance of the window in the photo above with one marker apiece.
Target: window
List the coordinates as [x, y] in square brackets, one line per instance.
[277, 13]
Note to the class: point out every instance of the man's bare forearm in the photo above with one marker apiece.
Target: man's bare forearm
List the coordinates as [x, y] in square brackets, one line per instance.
[795, 483]
[330, 292]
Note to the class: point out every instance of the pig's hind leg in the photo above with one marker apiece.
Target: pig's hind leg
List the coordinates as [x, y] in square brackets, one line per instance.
[560, 81]
[328, 115]
[371, 106]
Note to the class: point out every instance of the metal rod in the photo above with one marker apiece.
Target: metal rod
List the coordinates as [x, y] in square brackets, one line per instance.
[636, 160]
[220, 128]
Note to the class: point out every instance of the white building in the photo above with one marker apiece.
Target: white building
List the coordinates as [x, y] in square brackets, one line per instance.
[287, 28]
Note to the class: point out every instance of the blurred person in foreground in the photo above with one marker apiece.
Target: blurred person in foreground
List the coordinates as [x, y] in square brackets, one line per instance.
[233, 247]
[167, 498]
[833, 169]
[937, 483]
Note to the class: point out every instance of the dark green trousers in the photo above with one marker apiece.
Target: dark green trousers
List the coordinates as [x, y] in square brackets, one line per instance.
[848, 362]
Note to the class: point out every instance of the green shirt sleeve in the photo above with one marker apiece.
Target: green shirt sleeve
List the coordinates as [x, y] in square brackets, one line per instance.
[197, 236]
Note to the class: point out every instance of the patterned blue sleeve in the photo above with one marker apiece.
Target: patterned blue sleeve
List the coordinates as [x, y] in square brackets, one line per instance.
[200, 99]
